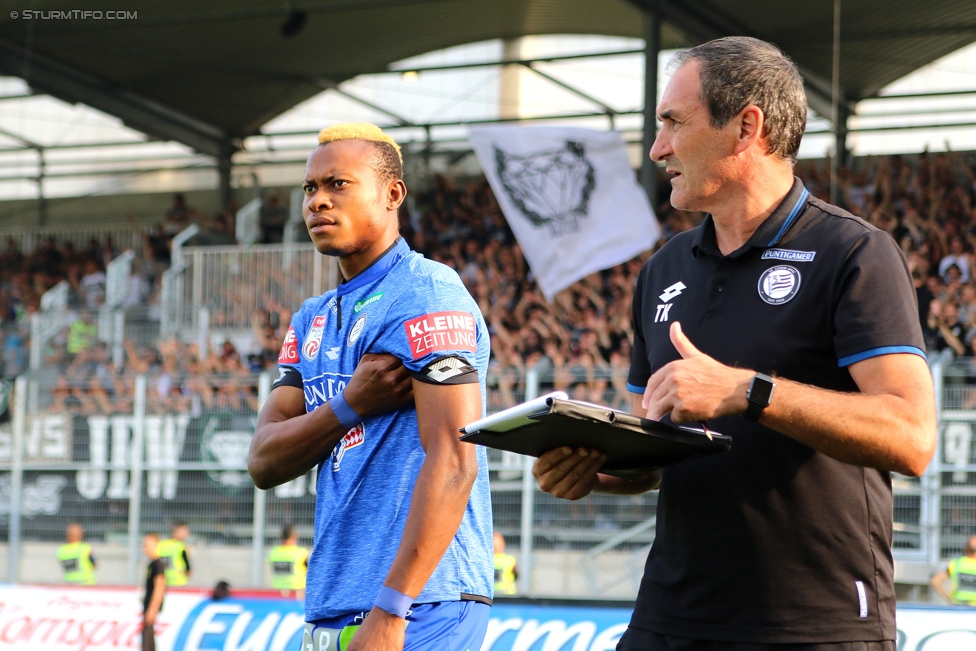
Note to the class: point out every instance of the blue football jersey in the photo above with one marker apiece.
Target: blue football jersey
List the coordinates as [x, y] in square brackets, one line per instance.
[419, 311]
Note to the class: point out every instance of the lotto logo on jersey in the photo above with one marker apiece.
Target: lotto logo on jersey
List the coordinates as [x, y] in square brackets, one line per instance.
[353, 438]
[289, 348]
[441, 331]
[311, 348]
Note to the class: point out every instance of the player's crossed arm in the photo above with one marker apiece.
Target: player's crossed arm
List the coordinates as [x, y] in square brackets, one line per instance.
[288, 442]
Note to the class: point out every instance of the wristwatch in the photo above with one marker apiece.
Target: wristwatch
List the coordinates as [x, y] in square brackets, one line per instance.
[759, 395]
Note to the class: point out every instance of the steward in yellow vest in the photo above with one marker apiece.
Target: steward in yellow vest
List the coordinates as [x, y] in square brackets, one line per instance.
[962, 574]
[75, 557]
[962, 571]
[505, 572]
[172, 552]
[289, 564]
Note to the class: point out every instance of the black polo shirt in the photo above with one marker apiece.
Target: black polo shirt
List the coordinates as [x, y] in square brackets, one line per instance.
[774, 542]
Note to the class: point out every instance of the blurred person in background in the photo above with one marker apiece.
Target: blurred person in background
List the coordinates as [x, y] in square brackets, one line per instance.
[943, 321]
[961, 573]
[505, 571]
[152, 600]
[173, 553]
[76, 558]
[289, 565]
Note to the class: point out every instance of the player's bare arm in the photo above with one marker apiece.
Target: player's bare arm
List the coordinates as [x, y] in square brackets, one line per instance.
[573, 474]
[890, 425]
[152, 611]
[440, 497]
[288, 442]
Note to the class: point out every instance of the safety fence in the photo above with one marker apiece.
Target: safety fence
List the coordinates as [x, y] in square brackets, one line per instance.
[126, 454]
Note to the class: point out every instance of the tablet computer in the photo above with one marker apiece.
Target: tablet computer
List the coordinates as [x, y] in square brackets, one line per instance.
[634, 446]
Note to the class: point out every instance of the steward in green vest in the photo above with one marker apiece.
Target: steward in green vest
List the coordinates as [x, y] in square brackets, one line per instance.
[505, 572]
[289, 563]
[962, 574]
[75, 557]
[172, 552]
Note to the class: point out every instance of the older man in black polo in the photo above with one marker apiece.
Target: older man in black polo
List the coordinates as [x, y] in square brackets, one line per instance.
[791, 326]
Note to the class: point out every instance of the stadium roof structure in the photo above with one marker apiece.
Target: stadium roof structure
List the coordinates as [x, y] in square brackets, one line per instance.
[210, 74]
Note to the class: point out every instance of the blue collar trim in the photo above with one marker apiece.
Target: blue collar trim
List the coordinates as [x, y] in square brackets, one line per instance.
[380, 267]
[794, 213]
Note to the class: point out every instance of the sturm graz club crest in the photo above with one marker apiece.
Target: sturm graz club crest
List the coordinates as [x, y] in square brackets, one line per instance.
[551, 188]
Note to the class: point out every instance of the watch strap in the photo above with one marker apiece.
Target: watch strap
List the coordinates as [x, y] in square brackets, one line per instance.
[754, 407]
[753, 411]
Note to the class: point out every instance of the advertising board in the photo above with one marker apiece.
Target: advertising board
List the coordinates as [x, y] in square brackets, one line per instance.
[37, 618]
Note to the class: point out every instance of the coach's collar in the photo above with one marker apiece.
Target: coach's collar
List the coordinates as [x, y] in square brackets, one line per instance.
[379, 268]
[769, 233]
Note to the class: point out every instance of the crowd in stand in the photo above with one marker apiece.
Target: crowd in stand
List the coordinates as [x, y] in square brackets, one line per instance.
[579, 343]
[929, 208]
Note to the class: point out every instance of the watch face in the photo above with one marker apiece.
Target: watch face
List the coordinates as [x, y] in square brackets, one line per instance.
[760, 391]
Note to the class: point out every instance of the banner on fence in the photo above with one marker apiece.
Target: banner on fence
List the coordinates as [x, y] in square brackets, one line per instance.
[81, 619]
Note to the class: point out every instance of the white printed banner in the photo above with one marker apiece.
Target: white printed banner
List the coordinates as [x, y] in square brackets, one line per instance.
[570, 196]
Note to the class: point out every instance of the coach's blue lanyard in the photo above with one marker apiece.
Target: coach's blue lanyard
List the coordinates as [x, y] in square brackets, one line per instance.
[380, 267]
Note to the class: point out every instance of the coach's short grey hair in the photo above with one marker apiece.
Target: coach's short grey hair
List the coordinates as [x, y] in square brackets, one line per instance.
[737, 71]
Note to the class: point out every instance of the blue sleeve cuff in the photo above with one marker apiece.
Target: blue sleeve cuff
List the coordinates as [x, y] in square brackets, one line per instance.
[876, 352]
[633, 388]
[348, 418]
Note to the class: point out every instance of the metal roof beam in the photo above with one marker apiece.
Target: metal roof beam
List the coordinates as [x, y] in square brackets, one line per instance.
[137, 111]
[576, 91]
[28, 144]
[705, 24]
[328, 84]
[505, 62]
[946, 93]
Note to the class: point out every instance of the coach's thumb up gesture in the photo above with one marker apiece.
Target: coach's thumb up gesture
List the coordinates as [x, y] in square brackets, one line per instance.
[695, 387]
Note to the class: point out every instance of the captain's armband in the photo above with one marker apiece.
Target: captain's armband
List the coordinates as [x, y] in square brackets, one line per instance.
[450, 369]
[288, 377]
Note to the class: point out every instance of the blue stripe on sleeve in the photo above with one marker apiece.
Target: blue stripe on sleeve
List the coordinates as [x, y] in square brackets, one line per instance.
[633, 388]
[875, 352]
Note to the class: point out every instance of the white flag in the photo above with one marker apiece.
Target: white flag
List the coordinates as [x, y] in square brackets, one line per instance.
[570, 196]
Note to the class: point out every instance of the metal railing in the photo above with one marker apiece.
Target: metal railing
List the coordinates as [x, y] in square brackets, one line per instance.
[223, 286]
[125, 455]
[27, 241]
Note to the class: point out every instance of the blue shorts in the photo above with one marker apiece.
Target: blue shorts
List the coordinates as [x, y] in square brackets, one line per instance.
[443, 626]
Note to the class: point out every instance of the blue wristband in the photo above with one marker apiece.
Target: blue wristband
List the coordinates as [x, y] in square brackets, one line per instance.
[348, 418]
[393, 602]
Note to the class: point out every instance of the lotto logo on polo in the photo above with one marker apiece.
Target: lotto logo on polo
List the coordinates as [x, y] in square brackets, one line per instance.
[440, 331]
[289, 348]
[311, 348]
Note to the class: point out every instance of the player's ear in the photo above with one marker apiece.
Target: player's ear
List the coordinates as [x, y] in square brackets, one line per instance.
[396, 192]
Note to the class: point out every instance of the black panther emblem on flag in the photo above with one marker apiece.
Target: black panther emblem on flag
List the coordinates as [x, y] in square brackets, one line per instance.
[551, 188]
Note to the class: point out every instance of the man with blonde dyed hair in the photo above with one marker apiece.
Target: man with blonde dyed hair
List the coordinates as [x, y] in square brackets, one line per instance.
[374, 380]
